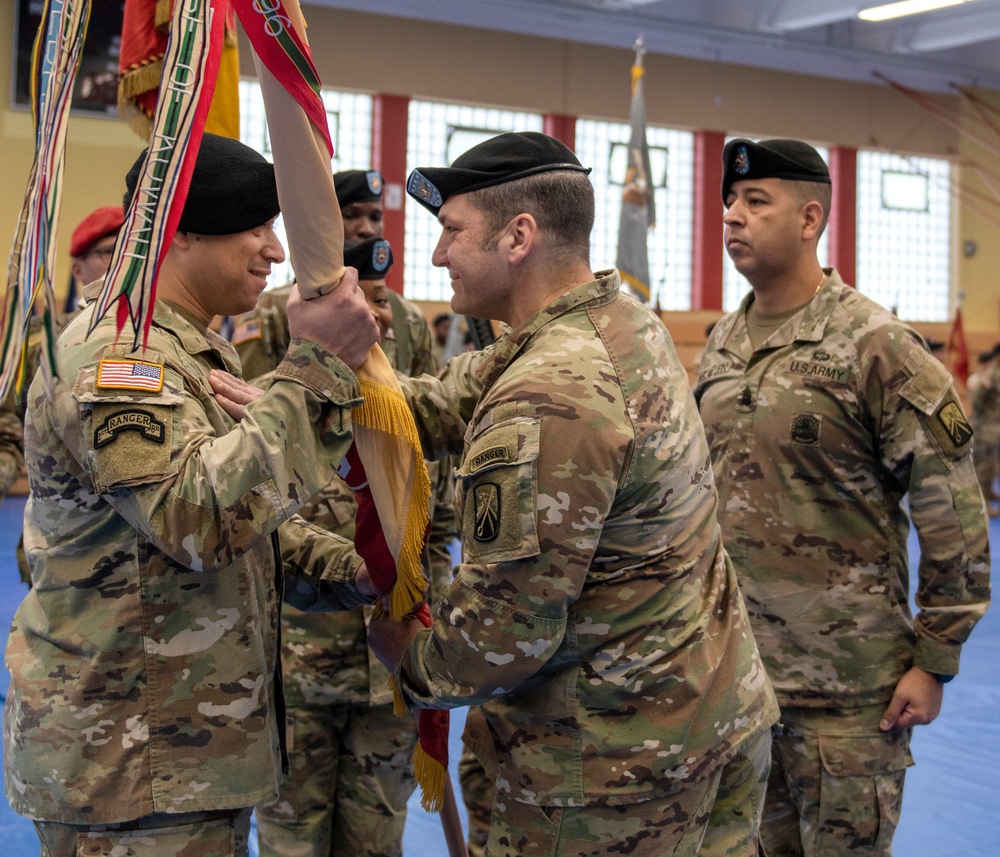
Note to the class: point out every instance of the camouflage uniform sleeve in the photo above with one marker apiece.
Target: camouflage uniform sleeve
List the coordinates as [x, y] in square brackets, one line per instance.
[444, 528]
[324, 564]
[201, 489]
[926, 444]
[442, 405]
[11, 444]
[530, 528]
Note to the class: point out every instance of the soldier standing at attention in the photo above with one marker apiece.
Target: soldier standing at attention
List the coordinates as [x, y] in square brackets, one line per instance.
[823, 412]
[595, 616]
[145, 709]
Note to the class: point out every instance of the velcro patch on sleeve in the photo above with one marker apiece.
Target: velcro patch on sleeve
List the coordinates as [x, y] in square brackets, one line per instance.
[247, 330]
[131, 443]
[137, 375]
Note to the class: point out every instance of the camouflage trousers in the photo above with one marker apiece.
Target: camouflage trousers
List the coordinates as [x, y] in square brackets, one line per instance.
[351, 776]
[836, 783]
[716, 817]
[477, 795]
[225, 833]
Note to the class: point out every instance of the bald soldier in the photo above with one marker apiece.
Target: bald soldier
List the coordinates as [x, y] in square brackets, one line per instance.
[145, 709]
[595, 616]
[827, 419]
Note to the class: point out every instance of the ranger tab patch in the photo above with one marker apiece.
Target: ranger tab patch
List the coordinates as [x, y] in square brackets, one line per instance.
[130, 375]
[130, 419]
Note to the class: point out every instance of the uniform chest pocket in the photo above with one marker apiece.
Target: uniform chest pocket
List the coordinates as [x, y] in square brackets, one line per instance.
[498, 493]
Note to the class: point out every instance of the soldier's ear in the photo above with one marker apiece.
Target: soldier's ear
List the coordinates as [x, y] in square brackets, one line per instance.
[521, 235]
[812, 219]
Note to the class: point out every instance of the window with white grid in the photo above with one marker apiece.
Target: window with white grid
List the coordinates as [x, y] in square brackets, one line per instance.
[439, 133]
[604, 147]
[349, 117]
[904, 234]
[735, 285]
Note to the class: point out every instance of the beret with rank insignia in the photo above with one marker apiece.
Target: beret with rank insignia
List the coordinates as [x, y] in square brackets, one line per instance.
[793, 160]
[498, 160]
[357, 186]
[372, 257]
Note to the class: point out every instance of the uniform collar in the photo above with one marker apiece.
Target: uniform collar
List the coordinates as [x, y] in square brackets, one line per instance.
[195, 338]
[807, 325]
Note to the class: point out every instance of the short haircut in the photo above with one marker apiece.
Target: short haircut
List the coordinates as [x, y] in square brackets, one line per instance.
[814, 191]
[561, 201]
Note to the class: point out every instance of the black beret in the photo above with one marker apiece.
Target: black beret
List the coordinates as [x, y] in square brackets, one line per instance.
[771, 159]
[232, 188]
[372, 257]
[495, 161]
[357, 186]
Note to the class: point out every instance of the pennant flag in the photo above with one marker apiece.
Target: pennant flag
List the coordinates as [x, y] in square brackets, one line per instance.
[54, 64]
[638, 208]
[957, 350]
[390, 477]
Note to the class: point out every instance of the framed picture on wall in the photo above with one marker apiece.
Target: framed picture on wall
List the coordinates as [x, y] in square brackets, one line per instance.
[96, 91]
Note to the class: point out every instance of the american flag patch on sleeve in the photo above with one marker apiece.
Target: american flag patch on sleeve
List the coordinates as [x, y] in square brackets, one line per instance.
[246, 331]
[130, 375]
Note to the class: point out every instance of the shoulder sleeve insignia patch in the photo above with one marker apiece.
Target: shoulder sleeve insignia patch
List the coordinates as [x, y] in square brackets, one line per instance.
[487, 500]
[955, 424]
[130, 375]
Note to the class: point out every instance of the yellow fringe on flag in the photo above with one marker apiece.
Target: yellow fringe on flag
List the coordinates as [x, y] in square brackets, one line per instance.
[430, 773]
[385, 410]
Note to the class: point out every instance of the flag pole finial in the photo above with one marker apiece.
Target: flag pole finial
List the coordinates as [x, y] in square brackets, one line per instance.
[640, 50]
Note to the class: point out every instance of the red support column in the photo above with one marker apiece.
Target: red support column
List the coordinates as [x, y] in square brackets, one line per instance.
[707, 247]
[843, 223]
[390, 117]
[562, 127]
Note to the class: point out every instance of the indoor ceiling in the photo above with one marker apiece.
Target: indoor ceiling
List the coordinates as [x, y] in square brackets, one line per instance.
[932, 51]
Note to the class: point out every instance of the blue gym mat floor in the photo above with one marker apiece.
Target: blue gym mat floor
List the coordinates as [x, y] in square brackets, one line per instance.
[951, 806]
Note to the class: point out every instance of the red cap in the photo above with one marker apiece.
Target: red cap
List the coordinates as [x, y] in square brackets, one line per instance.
[95, 226]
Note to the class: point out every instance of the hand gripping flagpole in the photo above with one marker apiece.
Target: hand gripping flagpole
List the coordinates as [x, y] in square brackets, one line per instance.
[393, 490]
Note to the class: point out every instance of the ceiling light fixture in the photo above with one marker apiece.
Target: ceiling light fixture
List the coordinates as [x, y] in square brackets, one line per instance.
[906, 7]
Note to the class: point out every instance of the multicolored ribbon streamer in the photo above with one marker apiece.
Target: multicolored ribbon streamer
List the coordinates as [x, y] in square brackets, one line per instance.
[54, 64]
[190, 66]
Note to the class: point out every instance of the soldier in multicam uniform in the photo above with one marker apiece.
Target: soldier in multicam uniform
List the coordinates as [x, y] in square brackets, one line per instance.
[349, 755]
[595, 616]
[823, 412]
[144, 713]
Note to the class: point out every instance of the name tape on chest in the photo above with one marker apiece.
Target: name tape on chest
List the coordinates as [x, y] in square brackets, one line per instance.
[130, 375]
